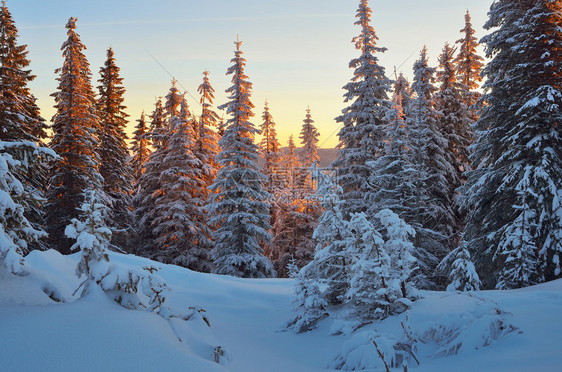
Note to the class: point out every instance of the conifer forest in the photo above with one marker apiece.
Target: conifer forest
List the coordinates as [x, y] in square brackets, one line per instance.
[193, 237]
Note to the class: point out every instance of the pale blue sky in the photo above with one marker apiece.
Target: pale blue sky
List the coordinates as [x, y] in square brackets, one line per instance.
[297, 50]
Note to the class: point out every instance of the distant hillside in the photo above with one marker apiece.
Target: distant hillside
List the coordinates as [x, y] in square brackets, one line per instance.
[327, 156]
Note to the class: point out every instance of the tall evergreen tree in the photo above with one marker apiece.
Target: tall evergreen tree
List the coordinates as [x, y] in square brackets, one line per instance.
[238, 203]
[279, 207]
[402, 90]
[469, 67]
[179, 227]
[393, 173]
[455, 125]
[140, 148]
[113, 151]
[150, 188]
[207, 146]
[75, 140]
[157, 124]
[269, 147]
[19, 113]
[514, 226]
[433, 216]
[361, 138]
[308, 153]
[291, 163]
[454, 114]
[332, 259]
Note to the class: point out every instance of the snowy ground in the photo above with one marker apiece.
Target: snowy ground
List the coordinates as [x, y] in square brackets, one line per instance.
[521, 328]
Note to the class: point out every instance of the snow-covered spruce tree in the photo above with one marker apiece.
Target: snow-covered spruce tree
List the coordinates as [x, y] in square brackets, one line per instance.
[402, 90]
[269, 148]
[520, 261]
[514, 227]
[92, 240]
[131, 288]
[19, 113]
[206, 145]
[140, 149]
[291, 164]
[179, 225]
[455, 125]
[149, 187]
[460, 270]
[270, 152]
[468, 67]
[238, 203]
[172, 104]
[113, 151]
[393, 173]
[16, 231]
[309, 305]
[157, 124]
[398, 235]
[75, 126]
[433, 213]
[369, 290]
[332, 259]
[380, 281]
[362, 135]
[308, 153]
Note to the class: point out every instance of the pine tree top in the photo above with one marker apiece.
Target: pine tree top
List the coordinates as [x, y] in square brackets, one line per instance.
[240, 104]
[468, 63]
[206, 91]
[309, 140]
[291, 142]
[269, 143]
[446, 74]
[173, 100]
[424, 77]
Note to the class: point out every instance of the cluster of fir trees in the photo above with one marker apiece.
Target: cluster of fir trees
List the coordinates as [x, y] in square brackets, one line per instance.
[203, 201]
[159, 202]
[88, 142]
[477, 177]
[191, 192]
[409, 153]
[294, 210]
[356, 264]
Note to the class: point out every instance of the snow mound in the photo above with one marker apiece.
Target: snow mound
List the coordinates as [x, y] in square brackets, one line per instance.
[481, 324]
[40, 311]
[463, 323]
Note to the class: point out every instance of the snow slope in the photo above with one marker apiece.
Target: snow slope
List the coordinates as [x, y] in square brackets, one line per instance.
[247, 320]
